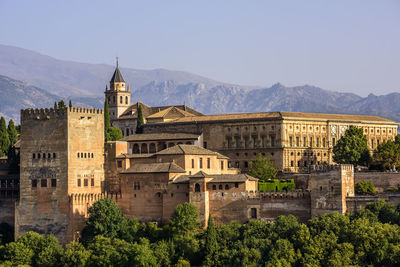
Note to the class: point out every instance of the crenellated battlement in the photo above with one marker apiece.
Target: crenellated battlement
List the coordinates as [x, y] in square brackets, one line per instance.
[298, 194]
[51, 113]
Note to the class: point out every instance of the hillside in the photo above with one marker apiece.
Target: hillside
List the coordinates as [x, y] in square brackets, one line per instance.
[46, 79]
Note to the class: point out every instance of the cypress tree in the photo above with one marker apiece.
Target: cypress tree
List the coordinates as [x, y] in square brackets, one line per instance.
[107, 123]
[211, 245]
[55, 105]
[4, 138]
[70, 104]
[140, 120]
[61, 104]
[12, 132]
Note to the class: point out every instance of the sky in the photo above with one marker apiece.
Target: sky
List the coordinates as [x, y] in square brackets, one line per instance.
[348, 46]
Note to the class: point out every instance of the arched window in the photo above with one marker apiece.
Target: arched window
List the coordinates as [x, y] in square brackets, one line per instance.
[55, 155]
[120, 99]
[92, 155]
[126, 100]
[136, 149]
[226, 187]
[220, 187]
[197, 188]
[78, 154]
[152, 148]
[144, 148]
[214, 187]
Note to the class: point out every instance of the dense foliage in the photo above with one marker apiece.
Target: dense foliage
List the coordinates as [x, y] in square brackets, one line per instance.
[387, 155]
[276, 185]
[365, 188]
[262, 168]
[110, 133]
[368, 238]
[4, 138]
[140, 120]
[352, 148]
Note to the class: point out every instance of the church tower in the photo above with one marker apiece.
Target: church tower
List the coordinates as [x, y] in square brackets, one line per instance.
[119, 97]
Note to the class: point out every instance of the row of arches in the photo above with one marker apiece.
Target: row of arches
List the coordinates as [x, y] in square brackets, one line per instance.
[145, 148]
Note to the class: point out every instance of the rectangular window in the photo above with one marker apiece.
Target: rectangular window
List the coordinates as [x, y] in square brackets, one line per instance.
[222, 164]
[317, 141]
[311, 143]
[298, 163]
[323, 142]
[333, 141]
[136, 186]
[92, 182]
[79, 182]
[304, 141]
[43, 183]
[237, 139]
[33, 156]
[253, 213]
[246, 142]
[205, 144]
[254, 141]
[201, 163]
[85, 182]
[192, 163]
[34, 183]
[272, 140]
[208, 163]
[297, 141]
[290, 141]
[372, 143]
[291, 163]
[119, 163]
[236, 185]
[229, 142]
[53, 182]
[263, 141]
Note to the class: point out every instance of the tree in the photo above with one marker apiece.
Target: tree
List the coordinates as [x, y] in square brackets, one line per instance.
[12, 132]
[184, 218]
[75, 254]
[262, 168]
[211, 245]
[140, 120]
[114, 134]
[55, 105]
[107, 122]
[365, 188]
[387, 155]
[61, 104]
[4, 138]
[105, 218]
[70, 103]
[352, 148]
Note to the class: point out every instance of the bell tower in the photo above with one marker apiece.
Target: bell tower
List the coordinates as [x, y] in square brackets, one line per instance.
[118, 96]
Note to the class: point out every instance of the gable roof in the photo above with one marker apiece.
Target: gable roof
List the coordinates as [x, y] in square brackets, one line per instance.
[216, 178]
[189, 150]
[165, 112]
[169, 167]
[117, 76]
[160, 136]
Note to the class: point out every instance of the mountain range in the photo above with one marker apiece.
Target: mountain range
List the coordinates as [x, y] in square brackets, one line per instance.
[30, 79]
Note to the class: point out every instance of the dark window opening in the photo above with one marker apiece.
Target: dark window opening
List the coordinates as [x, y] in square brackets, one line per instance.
[214, 187]
[246, 164]
[253, 213]
[208, 163]
[205, 144]
[222, 164]
[201, 163]
[53, 182]
[192, 163]
[34, 183]
[79, 182]
[85, 182]
[44, 155]
[119, 162]
[48, 155]
[237, 185]
[226, 187]
[92, 182]
[197, 188]
[38, 155]
[33, 155]
[54, 155]
[43, 183]
[220, 187]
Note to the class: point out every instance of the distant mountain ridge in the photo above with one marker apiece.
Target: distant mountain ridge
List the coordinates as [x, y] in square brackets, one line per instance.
[46, 80]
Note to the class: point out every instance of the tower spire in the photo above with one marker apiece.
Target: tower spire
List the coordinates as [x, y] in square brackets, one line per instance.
[117, 61]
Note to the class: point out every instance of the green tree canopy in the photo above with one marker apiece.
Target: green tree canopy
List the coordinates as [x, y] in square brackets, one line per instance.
[55, 105]
[4, 138]
[70, 104]
[105, 218]
[352, 148]
[140, 120]
[107, 122]
[387, 155]
[211, 244]
[75, 254]
[12, 132]
[365, 188]
[114, 134]
[61, 104]
[184, 218]
[262, 168]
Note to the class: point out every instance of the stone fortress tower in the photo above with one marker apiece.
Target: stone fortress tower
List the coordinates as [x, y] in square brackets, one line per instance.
[119, 97]
[62, 173]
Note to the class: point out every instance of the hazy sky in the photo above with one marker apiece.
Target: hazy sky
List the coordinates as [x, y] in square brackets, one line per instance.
[337, 45]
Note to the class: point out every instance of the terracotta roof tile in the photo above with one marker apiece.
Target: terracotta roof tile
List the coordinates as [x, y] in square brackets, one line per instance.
[160, 136]
[170, 167]
[188, 150]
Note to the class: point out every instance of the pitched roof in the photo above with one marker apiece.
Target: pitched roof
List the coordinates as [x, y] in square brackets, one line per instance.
[169, 167]
[189, 150]
[165, 112]
[216, 178]
[131, 112]
[160, 136]
[117, 76]
[280, 116]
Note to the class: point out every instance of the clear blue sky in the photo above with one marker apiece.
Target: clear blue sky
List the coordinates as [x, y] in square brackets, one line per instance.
[337, 45]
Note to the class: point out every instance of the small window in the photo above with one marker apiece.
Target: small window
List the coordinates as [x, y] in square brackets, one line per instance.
[34, 183]
[291, 163]
[208, 163]
[54, 155]
[214, 187]
[119, 162]
[38, 155]
[236, 185]
[320, 188]
[197, 188]
[53, 182]
[192, 163]
[48, 155]
[81, 154]
[205, 144]
[220, 187]
[120, 99]
[92, 182]
[84, 155]
[78, 155]
[246, 164]
[253, 213]
[79, 182]
[222, 164]
[44, 155]
[85, 182]
[33, 156]
[92, 155]
[158, 194]
[201, 163]
[126, 100]
[226, 187]
[43, 183]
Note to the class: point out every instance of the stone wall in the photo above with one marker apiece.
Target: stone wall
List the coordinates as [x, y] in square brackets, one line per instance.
[381, 180]
[7, 211]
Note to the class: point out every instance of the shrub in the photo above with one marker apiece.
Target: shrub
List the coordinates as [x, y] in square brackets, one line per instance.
[365, 188]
